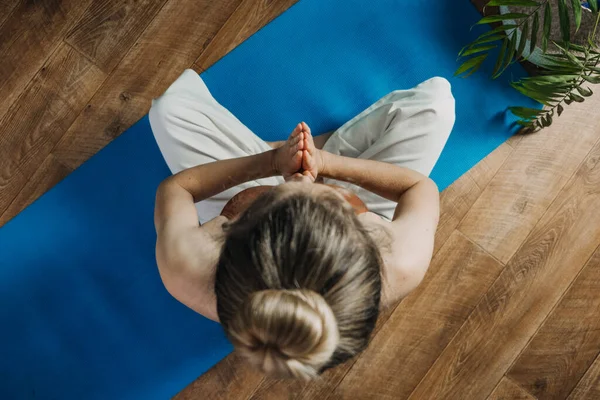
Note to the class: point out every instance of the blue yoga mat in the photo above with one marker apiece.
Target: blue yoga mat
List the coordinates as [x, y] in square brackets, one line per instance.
[84, 314]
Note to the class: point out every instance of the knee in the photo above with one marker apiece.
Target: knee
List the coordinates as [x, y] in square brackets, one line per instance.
[164, 111]
[437, 87]
[175, 102]
[432, 103]
[440, 102]
[443, 118]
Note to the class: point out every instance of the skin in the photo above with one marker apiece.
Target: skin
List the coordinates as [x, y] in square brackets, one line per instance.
[187, 253]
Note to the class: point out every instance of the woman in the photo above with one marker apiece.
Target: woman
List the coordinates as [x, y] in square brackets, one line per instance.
[296, 270]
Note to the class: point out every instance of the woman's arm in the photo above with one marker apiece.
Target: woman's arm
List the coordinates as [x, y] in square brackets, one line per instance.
[186, 252]
[384, 179]
[207, 180]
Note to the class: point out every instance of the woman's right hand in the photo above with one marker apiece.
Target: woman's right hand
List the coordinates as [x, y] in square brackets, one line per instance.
[312, 158]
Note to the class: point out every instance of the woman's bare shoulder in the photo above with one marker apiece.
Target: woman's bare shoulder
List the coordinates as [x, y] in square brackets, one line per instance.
[192, 281]
[379, 230]
[205, 249]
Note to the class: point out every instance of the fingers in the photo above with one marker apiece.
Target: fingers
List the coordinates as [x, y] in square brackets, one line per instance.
[296, 143]
[297, 156]
[296, 130]
[307, 160]
[305, 127]
[294, 135]
[309, 143]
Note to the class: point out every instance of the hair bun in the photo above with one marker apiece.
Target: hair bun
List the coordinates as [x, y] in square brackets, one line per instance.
[286, 333]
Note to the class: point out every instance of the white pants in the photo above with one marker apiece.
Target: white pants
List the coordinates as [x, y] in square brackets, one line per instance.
[408, 128]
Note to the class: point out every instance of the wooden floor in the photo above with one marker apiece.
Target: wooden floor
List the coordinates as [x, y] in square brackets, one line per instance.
[510, 308]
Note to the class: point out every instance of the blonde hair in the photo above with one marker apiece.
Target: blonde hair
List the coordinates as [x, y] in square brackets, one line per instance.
[261, 332]
[298, 284]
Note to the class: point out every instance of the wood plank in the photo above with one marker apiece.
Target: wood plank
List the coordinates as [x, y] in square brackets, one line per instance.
[109, 28]
[485, 170]
[35, 123]
[457, 199]
[524, 293]
[508, 390]
[455, 202]
[231, 378]
[159, 56]
[47, 175]
[423, 324]
[568, 342]
[6, 7]
[532, 176]
[30, 35]
[250, 16]
[589, 386]
[514, 140]
[271, 389]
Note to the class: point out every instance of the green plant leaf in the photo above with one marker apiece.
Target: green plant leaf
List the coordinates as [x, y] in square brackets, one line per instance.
[537, 96]
[559, 109]
[501, 17]
[569, 55]
[593, 6]
[591, 78]
[576, 4]
[501, 28]
[547, 26]
[562, 65]
[510, 53]
[534, 32]
[480, 41]
[471, 64]
[524, 112]
[523, 39]
[526, 123]
[576, 97]
[555, 78]
[523, 3]
[475, 50]
[593, 46]
[500, 59]
[565, 24]
[547, 87]
[585, 92]
[572, 46]
[567, 101]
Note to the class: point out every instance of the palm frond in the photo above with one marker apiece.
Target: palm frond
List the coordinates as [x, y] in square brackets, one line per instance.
[567, 71]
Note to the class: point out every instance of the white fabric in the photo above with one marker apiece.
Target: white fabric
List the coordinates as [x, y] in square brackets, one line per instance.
[408, 128]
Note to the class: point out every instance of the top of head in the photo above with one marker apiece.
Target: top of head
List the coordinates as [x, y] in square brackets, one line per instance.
[298, 284]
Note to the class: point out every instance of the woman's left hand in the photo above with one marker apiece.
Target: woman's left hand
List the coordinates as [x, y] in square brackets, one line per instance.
[287, 159]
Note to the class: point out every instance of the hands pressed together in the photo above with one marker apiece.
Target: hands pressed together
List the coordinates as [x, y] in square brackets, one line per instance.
[298, 155]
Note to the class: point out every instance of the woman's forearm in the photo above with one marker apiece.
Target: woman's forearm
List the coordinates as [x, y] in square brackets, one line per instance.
[386, 180]
[207, 180]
